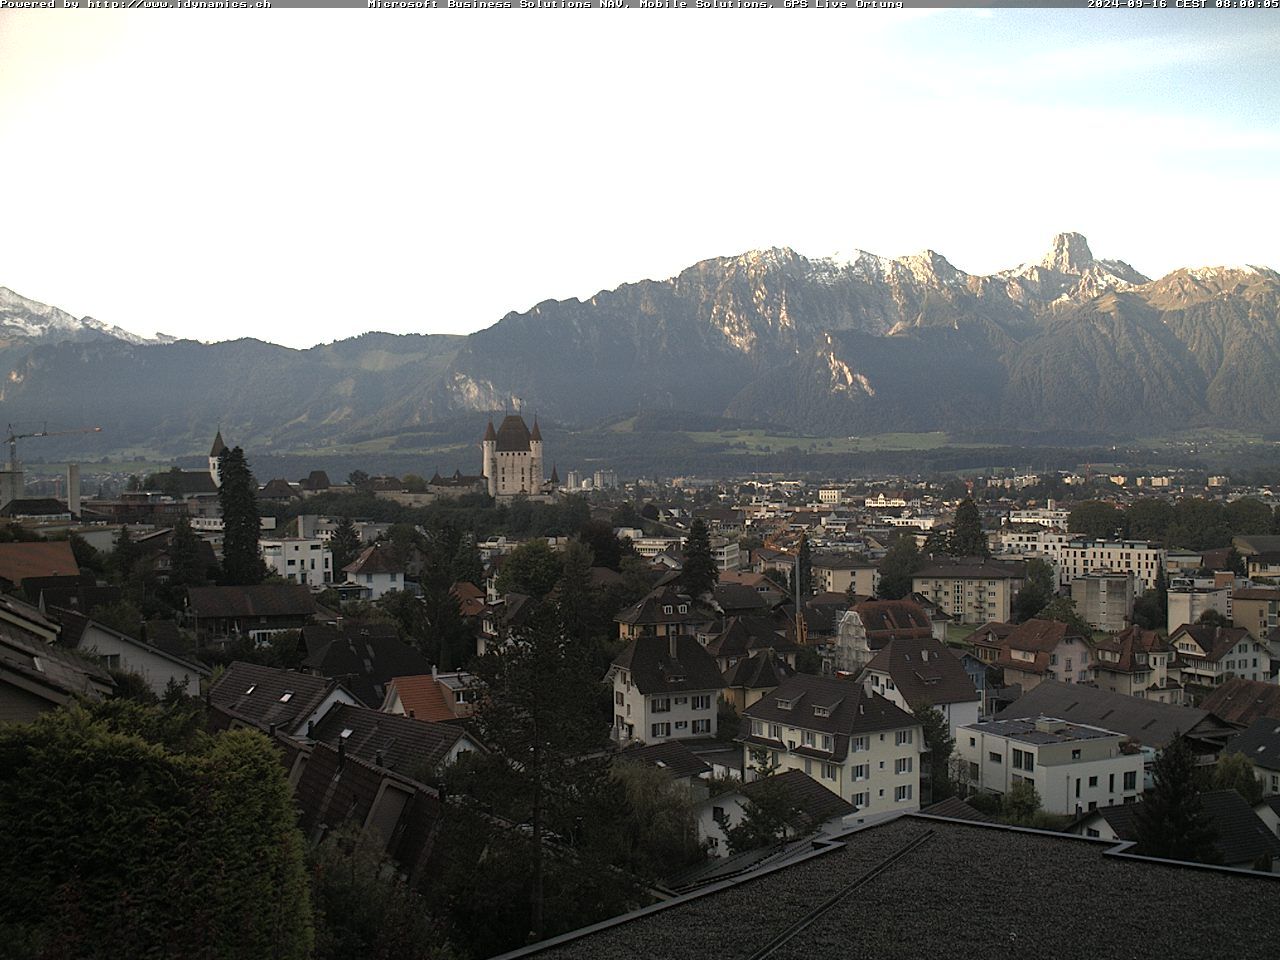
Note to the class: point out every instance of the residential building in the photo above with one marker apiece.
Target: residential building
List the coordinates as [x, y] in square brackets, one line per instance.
[1050, 516]
[660, 613]
[1241, 701]
[1073, 767]
[418, 749]
[726, 554]
[811, 808]
[972, 589]
[910, 673]
[437, 696]
[1257, 609]
[364, 656]
[686, 769]
[754, 677]
[377, 571]
[1261, 744]
[1207, 654]
[1037, 650]
[1241, 838]
[856, 744]
[741, 637]
[256, 612]
[272, 699]
[1137, 663]
[1190, 597]
[1104, 598]
[42, 560]
[1144, 560]
[36, 675]
[163, 671]
[836, 573]
[664, 687]
[298, 560]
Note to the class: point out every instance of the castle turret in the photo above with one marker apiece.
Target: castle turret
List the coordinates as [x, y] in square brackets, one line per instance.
[489, 455]
[215, 453]
[535, 459]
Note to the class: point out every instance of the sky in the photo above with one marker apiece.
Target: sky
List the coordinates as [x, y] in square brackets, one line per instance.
[321, 173]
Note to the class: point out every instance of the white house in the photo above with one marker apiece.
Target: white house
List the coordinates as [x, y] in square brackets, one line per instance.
[664, 688]
[913, 672]
[299, 560]
[1073, 767]
[376, 571]
[814, 809]
[119, 651]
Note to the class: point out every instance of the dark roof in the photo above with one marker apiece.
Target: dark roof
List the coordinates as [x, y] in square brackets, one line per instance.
[971, 568]
[1040, 636]
[653, 670]
[850, 710]
[840, 561]
[42, 558]
[1243, 701]
[188, 482]
[1216, 642]
[1147, 721]
[168, 636]
[670, 755]
[758, 672]
[651, 608]
[1242, 836]
[254, 693]
[535, 434]
[1260, 743]
[364, 659]
[956, 809]
[75, 625]
[513, 435]
[317, 636]
[489, 433]
[258, 600]
[886, 619]
[415, 748]
[865, 893]
[218, 447]
[277, 489]
[813, 803]
[743, 636]
[379, 558]
[738, 598]
[1128, 645]
[925, 671]
[48, 671]
[34, 507]
[315, 480]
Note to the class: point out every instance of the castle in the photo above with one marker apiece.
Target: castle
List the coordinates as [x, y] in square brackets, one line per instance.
[512, 460]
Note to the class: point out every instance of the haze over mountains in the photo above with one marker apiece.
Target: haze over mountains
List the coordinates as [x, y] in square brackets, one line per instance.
[851, 344]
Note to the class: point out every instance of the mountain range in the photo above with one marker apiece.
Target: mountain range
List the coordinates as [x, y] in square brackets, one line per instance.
[847, 344]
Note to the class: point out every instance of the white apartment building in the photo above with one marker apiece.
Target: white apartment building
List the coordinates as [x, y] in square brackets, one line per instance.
[856, 744]
[299, 560]
[726, 553]
[831, 495]
[1049, 516]
[1144, 560]
[1073, 767]
[664, 688]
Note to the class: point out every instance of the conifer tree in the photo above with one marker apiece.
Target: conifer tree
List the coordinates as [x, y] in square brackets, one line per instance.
[900, 562]
[967, 538]
[700, 574]
[186, 568]
[804, 569]
[344, 545]
[1171, 820]
[238, 497]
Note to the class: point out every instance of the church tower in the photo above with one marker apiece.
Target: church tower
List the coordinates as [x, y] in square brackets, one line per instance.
[215, 469]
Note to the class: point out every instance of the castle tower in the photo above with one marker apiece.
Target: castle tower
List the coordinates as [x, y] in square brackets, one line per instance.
[489, 459]
[216, 451]
[535, 459]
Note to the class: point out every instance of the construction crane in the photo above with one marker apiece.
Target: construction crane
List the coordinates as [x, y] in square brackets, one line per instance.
[13, 439]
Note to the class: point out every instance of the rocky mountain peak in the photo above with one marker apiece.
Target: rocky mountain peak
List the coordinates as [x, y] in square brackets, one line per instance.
[1069, 253]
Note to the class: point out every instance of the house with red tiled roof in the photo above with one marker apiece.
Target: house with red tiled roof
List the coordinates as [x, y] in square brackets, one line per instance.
[1037, 650]
[1208, 655]
[1137, 662]
[40, 559]
[435, 696]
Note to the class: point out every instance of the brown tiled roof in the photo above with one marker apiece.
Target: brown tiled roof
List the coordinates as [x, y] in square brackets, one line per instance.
[653, 670]
[1216, 642]
[887, 619]
[258, 600]
[44, 558]
[412, 747]
[760, 671]
[1243, 701]
[1257, 593]
[1039, 636]
[254, 693]
[422, 698]
[1128, 643]
[513, 435]
[851, 710]
[470, 598]
[379, 558]
[925, 671]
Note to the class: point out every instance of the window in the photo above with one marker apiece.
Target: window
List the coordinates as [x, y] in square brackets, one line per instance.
[1111, 783]
[902, 793]
[718, 814]
[829, 771]
[807, 738]
[682, 724]
[822, 711]
[1075, 754]
[775, 731]
[702, 702]
[667, 608]
[902, 765]
[1093, 782]
[973, 741]
[701, 726]
[784, 704]
[857, 743]
[684, 608]
[286, 696]
[617, 697]
[660, 729]
[660, 704]
[861, 772]
[1090, 832]
[861, 799]
[995, 757]
[902, 736]
[1131, 780]
[826, 741]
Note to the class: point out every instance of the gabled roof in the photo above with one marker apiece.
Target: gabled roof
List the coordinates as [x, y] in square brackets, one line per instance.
[256, 695]
[925, 671]
[41, 558]
[1128, 644]
[652, 608]
[218, 447]
[1216, 642]
[34, 507]
[46, 670]
[76, 625]
[954, 808]
[1243, 701]
[1039, 636]
[422, 698]
[849, 710]
[655, 671]
[317, 636]
[742, 636]
[470, 598]
[760, 671]
[1149, 722]
[257, 600]
[379, 558]
[813, 803]
[738, 598]
[365, 662]
[670, 755]
[893, 618]
[277, 489]
[411, 747]
[840, 561]
[1260, 743]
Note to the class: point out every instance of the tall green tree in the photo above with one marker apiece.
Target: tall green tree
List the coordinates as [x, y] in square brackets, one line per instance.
[532, 568]
[1235, 771]
[804, 568]
[1172, 822]
[1037, 590]
[1063, 609]
[344, 545]
[1148, 518]
[967, 538]
[238, 497]
[900, 563]
[940, 744]
[186, 565]
[1248, 516]
[467, 565]
[123, 556]
[1095, 520]
[700, 574]
[768, 813]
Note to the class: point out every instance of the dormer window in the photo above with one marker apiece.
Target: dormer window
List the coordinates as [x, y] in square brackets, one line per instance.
[667, 608]
[784, 704]
[684, 608]
[822, 711]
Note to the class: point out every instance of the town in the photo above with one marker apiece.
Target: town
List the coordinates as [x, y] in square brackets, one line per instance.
[480, 713]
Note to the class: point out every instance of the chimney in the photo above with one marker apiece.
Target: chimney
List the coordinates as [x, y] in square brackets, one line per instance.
[73, 489]
[434, 674]
[377, 758]
[671, 645]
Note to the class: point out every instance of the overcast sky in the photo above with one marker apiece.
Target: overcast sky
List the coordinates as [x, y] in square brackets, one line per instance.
[306, 175]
